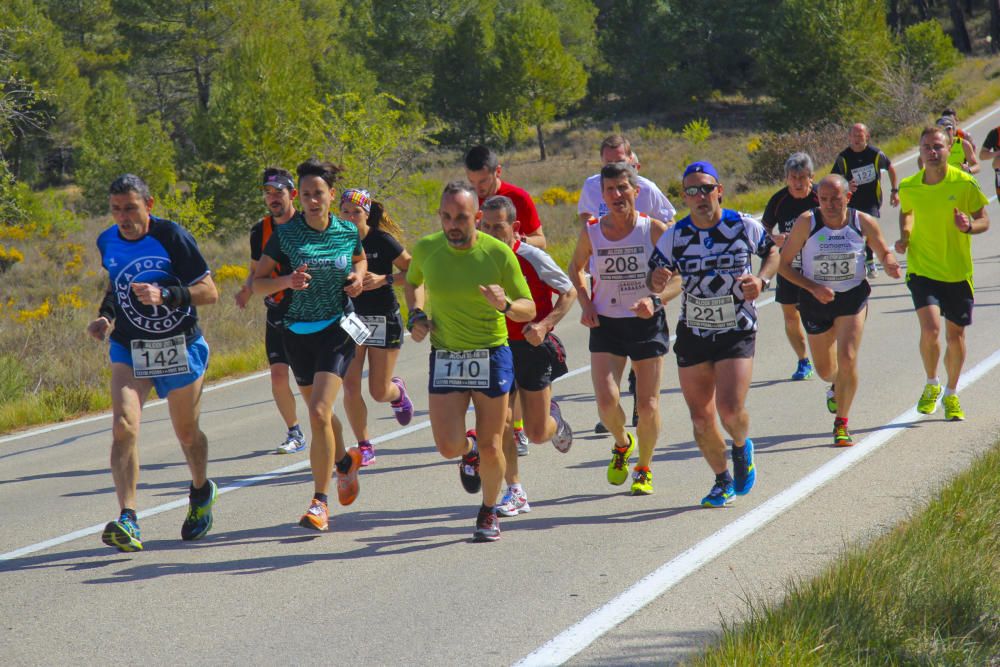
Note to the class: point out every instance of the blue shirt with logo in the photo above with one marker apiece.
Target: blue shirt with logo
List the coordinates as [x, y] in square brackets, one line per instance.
[168, 256]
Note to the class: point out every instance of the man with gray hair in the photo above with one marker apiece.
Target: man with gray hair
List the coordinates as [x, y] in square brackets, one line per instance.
[787, 204]
[539, 357]
[862, 165]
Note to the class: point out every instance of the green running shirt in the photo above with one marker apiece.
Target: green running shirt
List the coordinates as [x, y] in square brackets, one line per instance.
[463, 318]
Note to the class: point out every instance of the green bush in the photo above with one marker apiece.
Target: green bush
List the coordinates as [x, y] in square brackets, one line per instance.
[13, 379]
[929, 51]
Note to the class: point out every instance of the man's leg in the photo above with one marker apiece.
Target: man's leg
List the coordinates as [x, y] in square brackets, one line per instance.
[128, 395]
[606, 372]
[698, 386]
[491, 416]
[185, 410]
[930, 334]
[281, 390]
[647, 389]
[538, 423]
[512, 471]
[732, 382]
[447, 413]
[954, 356]
[793, 329]
[848, 330]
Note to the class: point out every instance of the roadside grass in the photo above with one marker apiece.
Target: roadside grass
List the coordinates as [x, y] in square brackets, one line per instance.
[50, 371]
[926, 593]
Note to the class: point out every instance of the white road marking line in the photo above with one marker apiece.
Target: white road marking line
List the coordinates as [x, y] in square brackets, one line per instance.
[579, 636]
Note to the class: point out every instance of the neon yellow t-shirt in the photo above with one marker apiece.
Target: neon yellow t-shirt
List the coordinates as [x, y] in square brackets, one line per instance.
[463, 318]
[937, 249]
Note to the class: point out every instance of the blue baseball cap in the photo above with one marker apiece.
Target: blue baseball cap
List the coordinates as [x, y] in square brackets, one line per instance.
[701, 168]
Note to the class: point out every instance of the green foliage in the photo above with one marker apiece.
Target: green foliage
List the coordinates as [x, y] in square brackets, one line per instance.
[12, 211]
[928, 51]
[13, 378]
[188, 211]
[812, 55]
[697, 132]
[504, 128]
[114, 142]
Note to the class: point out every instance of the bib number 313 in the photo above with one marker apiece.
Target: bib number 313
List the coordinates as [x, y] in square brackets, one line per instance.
[467, 370]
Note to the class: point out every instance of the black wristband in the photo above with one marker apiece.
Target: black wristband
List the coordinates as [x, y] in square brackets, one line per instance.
[415, 316]
[107, 309]
[180, 297]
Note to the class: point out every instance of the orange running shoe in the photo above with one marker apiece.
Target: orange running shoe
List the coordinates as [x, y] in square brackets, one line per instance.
[347, 482]
[317, 517]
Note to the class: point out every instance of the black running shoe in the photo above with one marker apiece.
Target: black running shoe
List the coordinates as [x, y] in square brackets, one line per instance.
[468, 467]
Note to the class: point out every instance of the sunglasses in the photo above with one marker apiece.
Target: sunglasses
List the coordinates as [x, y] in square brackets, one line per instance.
[695, 190]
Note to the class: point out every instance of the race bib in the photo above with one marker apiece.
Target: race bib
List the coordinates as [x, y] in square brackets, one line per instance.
[377, 329]
[157, 358]
[462, 370]
[355, 328]
[630, 291]
[865, 174]
[712, 313]
[834, 267]
[623, 270]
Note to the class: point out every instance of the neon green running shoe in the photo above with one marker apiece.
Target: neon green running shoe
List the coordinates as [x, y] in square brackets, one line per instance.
[618, 468]
[928, 400]
[642, 482]
[122, 534]
[953, 409]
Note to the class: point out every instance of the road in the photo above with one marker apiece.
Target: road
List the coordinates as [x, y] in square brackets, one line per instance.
[591, 576]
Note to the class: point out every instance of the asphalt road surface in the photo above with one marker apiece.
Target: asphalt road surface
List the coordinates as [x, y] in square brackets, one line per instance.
[591, 576]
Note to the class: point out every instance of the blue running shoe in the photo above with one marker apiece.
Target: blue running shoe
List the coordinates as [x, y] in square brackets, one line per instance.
[122, 534]
[199, 517]
[804, 370]
[744, 470]
[721, 495]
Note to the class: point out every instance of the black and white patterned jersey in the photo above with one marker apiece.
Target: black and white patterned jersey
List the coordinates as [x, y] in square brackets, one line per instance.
[710, 261]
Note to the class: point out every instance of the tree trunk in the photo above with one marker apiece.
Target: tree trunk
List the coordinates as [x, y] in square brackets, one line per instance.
[922, 9]
[961, 34]
[541, 141]
[893, 17]
[994, 25]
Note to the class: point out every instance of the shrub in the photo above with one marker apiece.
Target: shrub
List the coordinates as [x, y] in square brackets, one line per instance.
[557, 195]
[928, 51]
[13, 379]
[9, 258]
[822, 143]
[230, 272]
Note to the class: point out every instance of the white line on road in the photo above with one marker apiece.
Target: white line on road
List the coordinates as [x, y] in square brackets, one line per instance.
[579, 636]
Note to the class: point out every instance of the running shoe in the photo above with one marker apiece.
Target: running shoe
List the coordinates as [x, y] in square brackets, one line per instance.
[804, 370]
[367, 454]
[721, 495]
[831, 400]
[618, 468]
[563, 438]
[347, 482]
[872, 269]
[293, 444]
[522, 442]
[487, 526]
[122, 534]
[403, 408]
[929, 399]
[642, 482]
[513, 504]
[744, 469]
[199, 517]
[952, 408]
[841, 438]
[468, 467]
[317, 517]
[600, 428]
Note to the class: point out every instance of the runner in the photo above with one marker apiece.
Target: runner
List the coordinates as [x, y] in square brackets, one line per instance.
[539, 357]
[472, 281]
[834, 299]
[328, 262]
[862, 165]
[279, 195]
[991, 151]
[711, 250]
[650, 200]
[940, 207]
[959, 132]
[625, 320]
[157, 278]
[483, 168]
[379, 310]
[787, 204]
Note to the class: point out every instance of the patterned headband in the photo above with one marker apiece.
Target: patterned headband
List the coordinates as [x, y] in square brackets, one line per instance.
[362, 198]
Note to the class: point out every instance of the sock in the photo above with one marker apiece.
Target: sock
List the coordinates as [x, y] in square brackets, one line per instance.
[364, 443]
[322, 497]
[517, 489]
[295, 430]
[519, 425]
[950, 392]
[840, 420]
[129, 513]
[344, 464]
[202, 494]
[933, 381]
[490, 508]
[724, 477]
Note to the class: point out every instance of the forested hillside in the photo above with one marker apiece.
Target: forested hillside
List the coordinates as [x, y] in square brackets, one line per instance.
[199, 95]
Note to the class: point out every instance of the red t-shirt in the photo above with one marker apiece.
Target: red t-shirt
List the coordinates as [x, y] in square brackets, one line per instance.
[527, 214]
[545, 279]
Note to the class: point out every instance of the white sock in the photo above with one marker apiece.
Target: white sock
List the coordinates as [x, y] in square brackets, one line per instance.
[949, 392]
[516, 489]
[933, 381]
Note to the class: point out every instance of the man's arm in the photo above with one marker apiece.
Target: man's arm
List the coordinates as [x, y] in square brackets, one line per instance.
[905, 227]
[970, 157]
[894, 184]
[535, 238]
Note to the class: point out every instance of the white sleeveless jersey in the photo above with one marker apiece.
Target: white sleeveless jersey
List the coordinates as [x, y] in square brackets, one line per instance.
[619, 268]
[835, 258]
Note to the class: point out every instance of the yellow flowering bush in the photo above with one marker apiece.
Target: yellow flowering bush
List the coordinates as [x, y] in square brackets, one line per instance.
[555, 196]
[39, 314]
[9, 258]
[230, 272]
[71, 299]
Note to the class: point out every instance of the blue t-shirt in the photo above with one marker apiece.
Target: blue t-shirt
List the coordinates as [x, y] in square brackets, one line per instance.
[167, 255]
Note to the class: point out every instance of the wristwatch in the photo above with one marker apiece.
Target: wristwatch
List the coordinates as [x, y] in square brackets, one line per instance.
[164, 295]
[657, 302]
[765, 283]
[389, 280]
